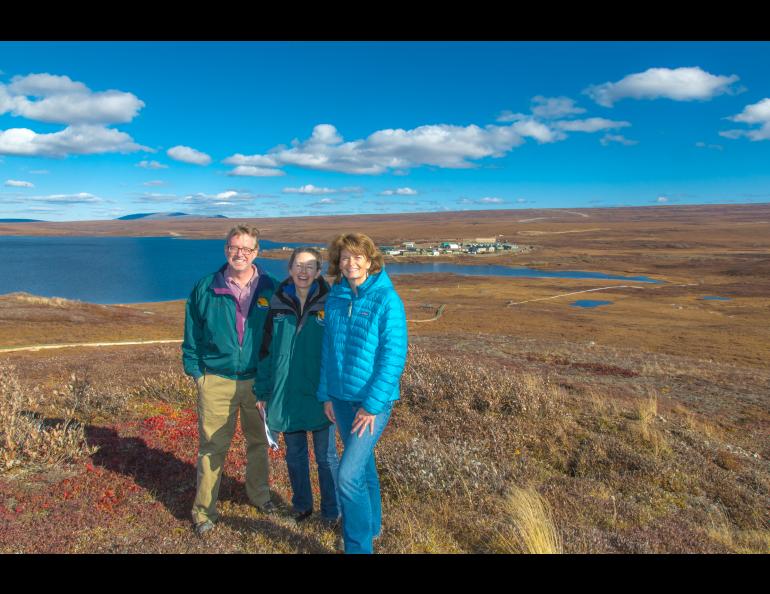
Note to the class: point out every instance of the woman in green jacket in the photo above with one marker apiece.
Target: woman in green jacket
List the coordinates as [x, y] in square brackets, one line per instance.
[287, 381]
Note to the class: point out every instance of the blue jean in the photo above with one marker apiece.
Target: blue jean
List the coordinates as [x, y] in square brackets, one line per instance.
[298, 464]
[358, 484]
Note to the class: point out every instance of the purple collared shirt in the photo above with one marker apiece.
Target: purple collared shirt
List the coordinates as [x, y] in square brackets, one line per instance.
[243, 297]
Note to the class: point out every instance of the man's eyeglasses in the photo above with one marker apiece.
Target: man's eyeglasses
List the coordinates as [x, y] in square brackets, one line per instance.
[231, 249]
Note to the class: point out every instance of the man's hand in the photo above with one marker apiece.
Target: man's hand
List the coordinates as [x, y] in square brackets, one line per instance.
[261, 408]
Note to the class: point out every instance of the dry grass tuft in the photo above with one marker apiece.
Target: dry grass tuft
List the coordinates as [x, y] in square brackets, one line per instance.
[720, 529]
[170, 386]
[433, 380]
[646, 412]
[25, 437]
[88, 403]
[600, 404]
[698, 425]
[533, 530]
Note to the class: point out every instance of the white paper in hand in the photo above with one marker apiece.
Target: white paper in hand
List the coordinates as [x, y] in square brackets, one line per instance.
[272, 440]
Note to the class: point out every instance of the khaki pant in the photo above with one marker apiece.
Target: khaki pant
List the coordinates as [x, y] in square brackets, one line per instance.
[219, 399]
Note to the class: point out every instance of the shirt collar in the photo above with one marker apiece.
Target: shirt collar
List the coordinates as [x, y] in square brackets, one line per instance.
[254, 277]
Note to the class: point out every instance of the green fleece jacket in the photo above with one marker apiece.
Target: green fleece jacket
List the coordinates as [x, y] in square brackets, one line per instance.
[212, 344]
[288, 373]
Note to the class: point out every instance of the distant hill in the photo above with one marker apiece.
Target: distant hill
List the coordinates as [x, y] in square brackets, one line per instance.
[21, 221]
[166, 215]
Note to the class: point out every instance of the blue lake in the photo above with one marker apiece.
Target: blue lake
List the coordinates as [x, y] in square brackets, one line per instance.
[589, 303]
[139, 269]
[712, 298]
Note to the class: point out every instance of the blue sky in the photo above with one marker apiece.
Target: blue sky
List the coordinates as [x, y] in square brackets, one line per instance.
[97, 130]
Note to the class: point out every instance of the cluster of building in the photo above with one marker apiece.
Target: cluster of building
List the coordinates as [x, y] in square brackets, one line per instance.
[480, 245]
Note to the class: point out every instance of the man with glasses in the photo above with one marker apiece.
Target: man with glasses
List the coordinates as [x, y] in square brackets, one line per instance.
[224, 317]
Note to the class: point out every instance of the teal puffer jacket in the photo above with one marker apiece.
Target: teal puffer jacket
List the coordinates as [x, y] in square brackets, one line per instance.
[290, 359]
[364, 346]
[211, 341]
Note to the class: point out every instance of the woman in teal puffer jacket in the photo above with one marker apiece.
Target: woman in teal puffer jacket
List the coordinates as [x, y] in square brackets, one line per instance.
[363, 357]
[288, 377]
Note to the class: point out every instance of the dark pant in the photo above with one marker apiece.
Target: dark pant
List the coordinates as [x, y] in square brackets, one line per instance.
[298, 464]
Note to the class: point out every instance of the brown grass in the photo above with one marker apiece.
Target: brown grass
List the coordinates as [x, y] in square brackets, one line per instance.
[466, 434]
[25, 437]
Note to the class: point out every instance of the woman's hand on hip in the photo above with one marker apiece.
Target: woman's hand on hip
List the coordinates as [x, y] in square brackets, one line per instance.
[329, 411]
[362, 421]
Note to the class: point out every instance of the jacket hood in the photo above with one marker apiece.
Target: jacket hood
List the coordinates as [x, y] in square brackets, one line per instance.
[319, 287]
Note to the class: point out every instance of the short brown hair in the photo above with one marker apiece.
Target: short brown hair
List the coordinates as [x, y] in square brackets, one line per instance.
[306, 250]
[358, 244]
[244, 230]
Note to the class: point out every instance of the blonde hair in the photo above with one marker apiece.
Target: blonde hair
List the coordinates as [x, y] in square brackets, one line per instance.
[358, 244]
[244, 230]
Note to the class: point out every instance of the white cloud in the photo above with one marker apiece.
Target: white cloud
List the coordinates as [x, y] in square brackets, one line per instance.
[42, 85]
[486, 200]
[250, 171]
[151, 165]
[717, 147]
[188, 155]
[733, 134]
[398, 150]
[619, 138]
[537, 130]
[324, 202]
[589, 125]
[399, 192]
[39, 171]
[209, 200]
[253, 160]
[50, 98]
[546, 108]
[81, 140]
[80, 198]
[509, 116]
[554, 107]
[757, 113]
[156, 182]
[158, 198]
[679, 84]
[309, 189]
[59, 99]
[440, 145]
[662, 199]
[14, 183]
